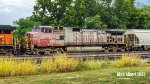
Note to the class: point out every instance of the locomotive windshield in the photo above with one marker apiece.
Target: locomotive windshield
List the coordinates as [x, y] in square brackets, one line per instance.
[36, 30]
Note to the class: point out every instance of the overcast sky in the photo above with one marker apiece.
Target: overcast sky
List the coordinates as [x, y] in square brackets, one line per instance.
[12, 10]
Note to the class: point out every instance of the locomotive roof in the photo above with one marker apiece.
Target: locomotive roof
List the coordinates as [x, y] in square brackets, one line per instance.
[116, 30]
[7, 27]
[45, 26]
[139, 30]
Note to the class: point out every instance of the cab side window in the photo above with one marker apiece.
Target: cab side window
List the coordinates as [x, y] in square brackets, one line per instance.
[46, 30]
[62, 37]
[43, 30]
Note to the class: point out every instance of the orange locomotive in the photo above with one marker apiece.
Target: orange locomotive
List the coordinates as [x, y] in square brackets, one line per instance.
[6, 39]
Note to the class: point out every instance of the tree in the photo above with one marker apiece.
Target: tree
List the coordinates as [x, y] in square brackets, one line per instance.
[113, 13]
[75, 15]
[95, 23]
[144, 18]
[50, 12]
[23, 26]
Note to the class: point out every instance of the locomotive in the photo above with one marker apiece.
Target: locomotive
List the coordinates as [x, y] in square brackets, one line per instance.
[6, 39]
[48, 40]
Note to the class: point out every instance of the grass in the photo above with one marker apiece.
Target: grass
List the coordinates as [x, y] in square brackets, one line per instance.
[128, 61]
[93, 65]
[9, 67]
[87, 72]
[60, 63]
[103, 76]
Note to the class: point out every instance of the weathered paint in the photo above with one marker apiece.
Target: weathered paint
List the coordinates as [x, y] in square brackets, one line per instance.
[6, 39]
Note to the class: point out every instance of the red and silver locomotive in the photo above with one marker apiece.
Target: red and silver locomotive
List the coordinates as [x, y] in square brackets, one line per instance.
[48, 39]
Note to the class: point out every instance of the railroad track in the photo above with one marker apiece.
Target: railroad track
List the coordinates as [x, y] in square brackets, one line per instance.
[85, 55]
[143, 55]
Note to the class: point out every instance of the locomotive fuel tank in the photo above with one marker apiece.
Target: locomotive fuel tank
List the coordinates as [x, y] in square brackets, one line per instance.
[81, 49]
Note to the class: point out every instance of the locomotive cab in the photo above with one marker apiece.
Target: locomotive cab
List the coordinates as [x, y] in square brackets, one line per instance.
[39, 39]
[45, 39]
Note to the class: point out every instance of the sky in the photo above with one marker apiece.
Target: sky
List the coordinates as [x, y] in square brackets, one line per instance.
[144, 1]
[12, 10]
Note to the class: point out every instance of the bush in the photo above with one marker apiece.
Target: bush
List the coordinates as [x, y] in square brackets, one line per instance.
[60, 63]
[92, 65]
[25, 67]
[128, 61]
[9, 67]
[47, 65]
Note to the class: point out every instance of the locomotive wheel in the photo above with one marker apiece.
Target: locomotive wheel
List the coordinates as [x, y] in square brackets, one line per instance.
[106, 51]
[59, 51]
[35, 52]
[114, 49]
[123, 50]
[49, 52]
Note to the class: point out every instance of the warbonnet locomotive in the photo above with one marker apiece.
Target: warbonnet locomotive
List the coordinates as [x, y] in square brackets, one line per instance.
[47, 40]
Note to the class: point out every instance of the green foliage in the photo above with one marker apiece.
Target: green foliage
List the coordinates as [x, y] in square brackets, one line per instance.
[113, 13]
[75, 14]
[95, 23]
[50, 12]
[144, 19]
[23, 26]
[103, 76]
[93, 65]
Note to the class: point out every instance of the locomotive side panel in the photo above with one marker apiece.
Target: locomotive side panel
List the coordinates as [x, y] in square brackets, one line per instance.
[89, 36]
[102, 36]
[84, 36]
[84, 39]
[58, 37]
[73, 36]
[6, 39]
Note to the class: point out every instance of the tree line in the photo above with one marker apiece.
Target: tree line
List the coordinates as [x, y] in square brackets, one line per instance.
[96, 14]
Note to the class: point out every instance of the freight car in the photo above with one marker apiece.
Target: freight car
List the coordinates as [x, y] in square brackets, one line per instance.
[6, 39]
[137, 39]
[48, 39]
